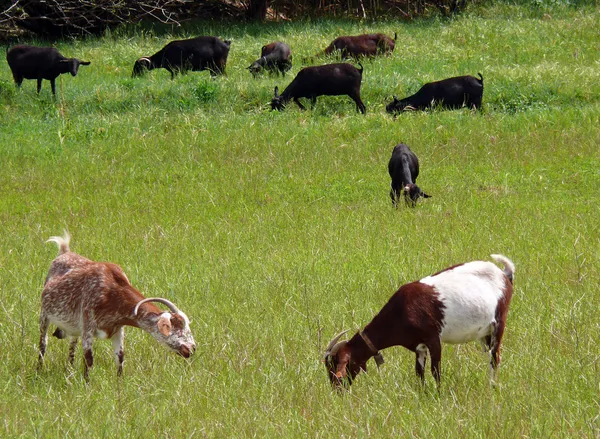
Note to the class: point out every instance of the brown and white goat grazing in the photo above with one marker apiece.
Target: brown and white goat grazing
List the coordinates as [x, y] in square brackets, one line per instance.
[460, 304]
[95, 299]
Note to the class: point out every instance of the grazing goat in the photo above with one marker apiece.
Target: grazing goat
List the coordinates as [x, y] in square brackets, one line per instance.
[95, 299]
[460, 304]
[30, 62]
[404, 170]
[451, 93]
[195, 54]
[367, 45]
[275, 57]
[327, 80]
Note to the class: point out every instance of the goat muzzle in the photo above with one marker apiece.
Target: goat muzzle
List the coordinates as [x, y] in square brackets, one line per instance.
[186, 351]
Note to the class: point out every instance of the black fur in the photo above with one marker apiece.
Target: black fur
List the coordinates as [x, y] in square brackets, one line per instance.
[404, 170]
[328, 80]
[195, 54]
[30, 62]
[451, 93]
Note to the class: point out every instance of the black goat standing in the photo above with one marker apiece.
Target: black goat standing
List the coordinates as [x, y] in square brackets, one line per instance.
[404, 170]
[30, 62]
[328, 80]
[275, 57]
[451, 93]
[195, 54]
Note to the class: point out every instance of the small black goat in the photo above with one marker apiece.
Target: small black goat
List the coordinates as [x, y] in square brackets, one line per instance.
[275, 57]
[327, 80]
[30, 62]
[404, 170]
[451, 93]
[195, 54]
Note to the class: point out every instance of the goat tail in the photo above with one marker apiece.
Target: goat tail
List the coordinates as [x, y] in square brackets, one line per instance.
[62, 242]
[481, 76]
[361, 68]
[509, 267]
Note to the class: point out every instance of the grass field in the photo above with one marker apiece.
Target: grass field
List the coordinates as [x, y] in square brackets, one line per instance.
[274, 231]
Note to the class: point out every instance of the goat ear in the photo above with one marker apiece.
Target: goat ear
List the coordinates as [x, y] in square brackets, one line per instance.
[85, 63]
[276, 91]
[396, 98]
[164, 324]
[426, 196]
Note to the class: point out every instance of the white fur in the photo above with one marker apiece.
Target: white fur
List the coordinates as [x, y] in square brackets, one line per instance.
[422, 353]
[470, 294]
[117, 342]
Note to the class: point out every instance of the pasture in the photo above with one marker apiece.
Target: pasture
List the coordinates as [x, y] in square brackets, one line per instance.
[273, 231]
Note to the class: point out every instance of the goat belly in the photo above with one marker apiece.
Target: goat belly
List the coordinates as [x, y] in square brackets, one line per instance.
[68, 327]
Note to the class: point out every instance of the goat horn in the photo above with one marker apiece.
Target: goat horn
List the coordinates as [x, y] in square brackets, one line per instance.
[166, 302]
[334, 341]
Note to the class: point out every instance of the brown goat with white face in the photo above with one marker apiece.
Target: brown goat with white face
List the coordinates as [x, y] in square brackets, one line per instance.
[460, 304]
[95, 299]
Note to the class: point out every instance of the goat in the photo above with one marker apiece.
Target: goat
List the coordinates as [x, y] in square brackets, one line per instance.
[404, 170]
[275, 57]
[30, 62]
[195, 54]
[327, 80]
[95, 299]
[459, 304]
[451, 93]
[366, 45]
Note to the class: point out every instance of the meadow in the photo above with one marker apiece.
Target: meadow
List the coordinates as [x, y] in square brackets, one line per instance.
[274, 231]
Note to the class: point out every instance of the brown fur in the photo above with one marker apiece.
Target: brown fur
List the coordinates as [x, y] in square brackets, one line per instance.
[366, 45]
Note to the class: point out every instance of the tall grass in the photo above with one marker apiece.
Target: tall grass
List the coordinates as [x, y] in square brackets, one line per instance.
[273, 231]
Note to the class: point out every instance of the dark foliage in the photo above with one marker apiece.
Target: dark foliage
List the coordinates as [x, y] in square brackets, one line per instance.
[60, 18]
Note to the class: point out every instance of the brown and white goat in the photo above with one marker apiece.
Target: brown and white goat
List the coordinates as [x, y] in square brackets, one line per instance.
[95, 299]
[460, 304]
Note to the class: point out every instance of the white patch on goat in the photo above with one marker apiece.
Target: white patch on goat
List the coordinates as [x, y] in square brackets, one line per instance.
[101, 334]
[117, 342]
[422, 352]
[470, 295]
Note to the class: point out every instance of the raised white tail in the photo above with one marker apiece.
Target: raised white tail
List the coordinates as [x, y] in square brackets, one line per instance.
[62, 242]
[509, 267]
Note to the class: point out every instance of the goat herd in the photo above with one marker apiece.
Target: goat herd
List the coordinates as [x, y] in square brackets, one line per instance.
[466, 302]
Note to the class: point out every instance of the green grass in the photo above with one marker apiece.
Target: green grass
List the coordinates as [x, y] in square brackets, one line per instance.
[274, 231]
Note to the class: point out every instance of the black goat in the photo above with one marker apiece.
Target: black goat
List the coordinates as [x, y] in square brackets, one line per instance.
[30, 62]
[451, 93]
[275, 57]
[327, 80]
[404, 170]
[195, 54]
